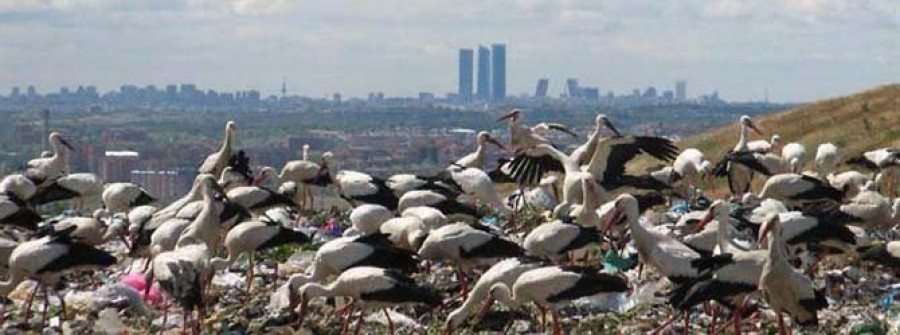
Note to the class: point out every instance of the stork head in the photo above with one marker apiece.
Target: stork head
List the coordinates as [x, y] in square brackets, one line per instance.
[716, 209]
[57, 140]
[624, 209]
[264, 174]
[603, 121]
[485, 137]
[514, 115]
[772, 226]
[231, 126]
[747, 122]
[776, 142]
[454, 320]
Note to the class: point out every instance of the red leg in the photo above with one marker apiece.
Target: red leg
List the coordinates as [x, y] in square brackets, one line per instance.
[390, 323]
[346, 325]
[463, 281]
[556, 329]
[30, 301]
[543, 316]
[484, 308]
[687, 322]
[715, 316]
[664, 325]
[359, 321]
[781, 330]
[46, 306]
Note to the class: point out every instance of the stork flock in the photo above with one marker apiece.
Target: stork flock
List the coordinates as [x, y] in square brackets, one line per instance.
[734, 256]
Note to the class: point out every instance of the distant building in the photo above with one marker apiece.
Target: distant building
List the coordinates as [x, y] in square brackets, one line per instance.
[117, 166]
[542, 85]
[483, 90]
[668, 95]
[498, 71]
[426, 97]
[466, 70]
[572, 88]
[681, 90]
[650, 93]
[590, 93]
[164, 185]
[336, 98]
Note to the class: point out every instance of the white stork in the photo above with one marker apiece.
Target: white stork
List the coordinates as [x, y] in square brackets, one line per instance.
[16, 212]
[886, 254]
[367, 219]
[739, 176]
[370, 287]
[343, 253]
[122, 197]
[467, 247]
[476, 159]
[441, 201]
[671, 258]
[827, 158]
[249, 237]
[182, 274]
[431, 217]
[78, 186]
[784, 288]
[794, 155]
[886, 160]
[607, 164]
[526, 168]
[583, 153]
[506, 272]
[217, 161]
[47, 258]
[17, 185]
[852, 182]
[795, 188]
[406, 233]
[691, 165]
[41, 170]
[554, 287]
[205, 228]
[257, 199]
[764, 146]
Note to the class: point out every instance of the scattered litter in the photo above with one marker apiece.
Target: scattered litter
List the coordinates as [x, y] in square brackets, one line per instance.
[109, 322]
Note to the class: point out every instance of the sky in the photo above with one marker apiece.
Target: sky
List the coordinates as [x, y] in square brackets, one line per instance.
[796, 50]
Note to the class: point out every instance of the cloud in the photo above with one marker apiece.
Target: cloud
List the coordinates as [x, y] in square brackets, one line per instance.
[406, 46]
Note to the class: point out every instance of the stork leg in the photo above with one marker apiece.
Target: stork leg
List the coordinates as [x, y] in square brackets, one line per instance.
[30, 301]
[665, 324]
[184, 320]
[556, 328]
[275, 275]
[359, 321]
[737, 316]
[390, 324]
[249, 279]
[484, 308]
[781, 330]
[715, 316]
[201, 316]
[46, 305]
[62, 305]
[463, 281]
[165, 318]
[687, 322]
[543, 319]
[346, 325]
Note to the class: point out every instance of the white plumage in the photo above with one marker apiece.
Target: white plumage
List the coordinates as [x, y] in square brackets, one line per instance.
[505, 272]
[121, 197]
[431, 218]
[827, 158]
[765, 146]
[367, 218]
[44, 169]
[476, 159]
[466, 246]
[17, 185]
[216, 162]
[406, 233]
[794, 154]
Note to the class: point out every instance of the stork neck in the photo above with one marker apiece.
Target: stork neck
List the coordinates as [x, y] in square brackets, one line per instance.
[742, 141]
[7, 286]
[313, 290]
[777, 256]
[501, 293]
[229, 139]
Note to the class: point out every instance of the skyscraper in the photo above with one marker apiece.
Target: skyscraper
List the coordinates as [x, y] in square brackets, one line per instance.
[542, 85]
[681, 90]
[466, 68]
[573, 88]
[484, 73]
[498, 74]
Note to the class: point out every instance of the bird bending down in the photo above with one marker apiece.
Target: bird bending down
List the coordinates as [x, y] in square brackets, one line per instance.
[369, 287]
[553, 287]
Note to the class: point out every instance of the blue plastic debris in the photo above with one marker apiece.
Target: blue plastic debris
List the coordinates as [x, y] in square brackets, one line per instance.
[489, 220]
[612, 262]
[888, 299]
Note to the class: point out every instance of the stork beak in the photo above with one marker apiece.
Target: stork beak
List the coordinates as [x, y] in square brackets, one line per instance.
[763, 234]
[221, 190]
[612, 128]
[756, 130]
[567, 131]
[607, 226]
[507, 115]
[301, 311]
[495, 142]
[66, 143]
[705, 221]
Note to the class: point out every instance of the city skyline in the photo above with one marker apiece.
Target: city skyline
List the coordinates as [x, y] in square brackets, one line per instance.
[794, 50]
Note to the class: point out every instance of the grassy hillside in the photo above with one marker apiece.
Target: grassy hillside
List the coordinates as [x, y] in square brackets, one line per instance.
[854, 123]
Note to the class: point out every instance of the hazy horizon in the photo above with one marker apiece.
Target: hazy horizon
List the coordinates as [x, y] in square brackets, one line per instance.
[800, 50]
